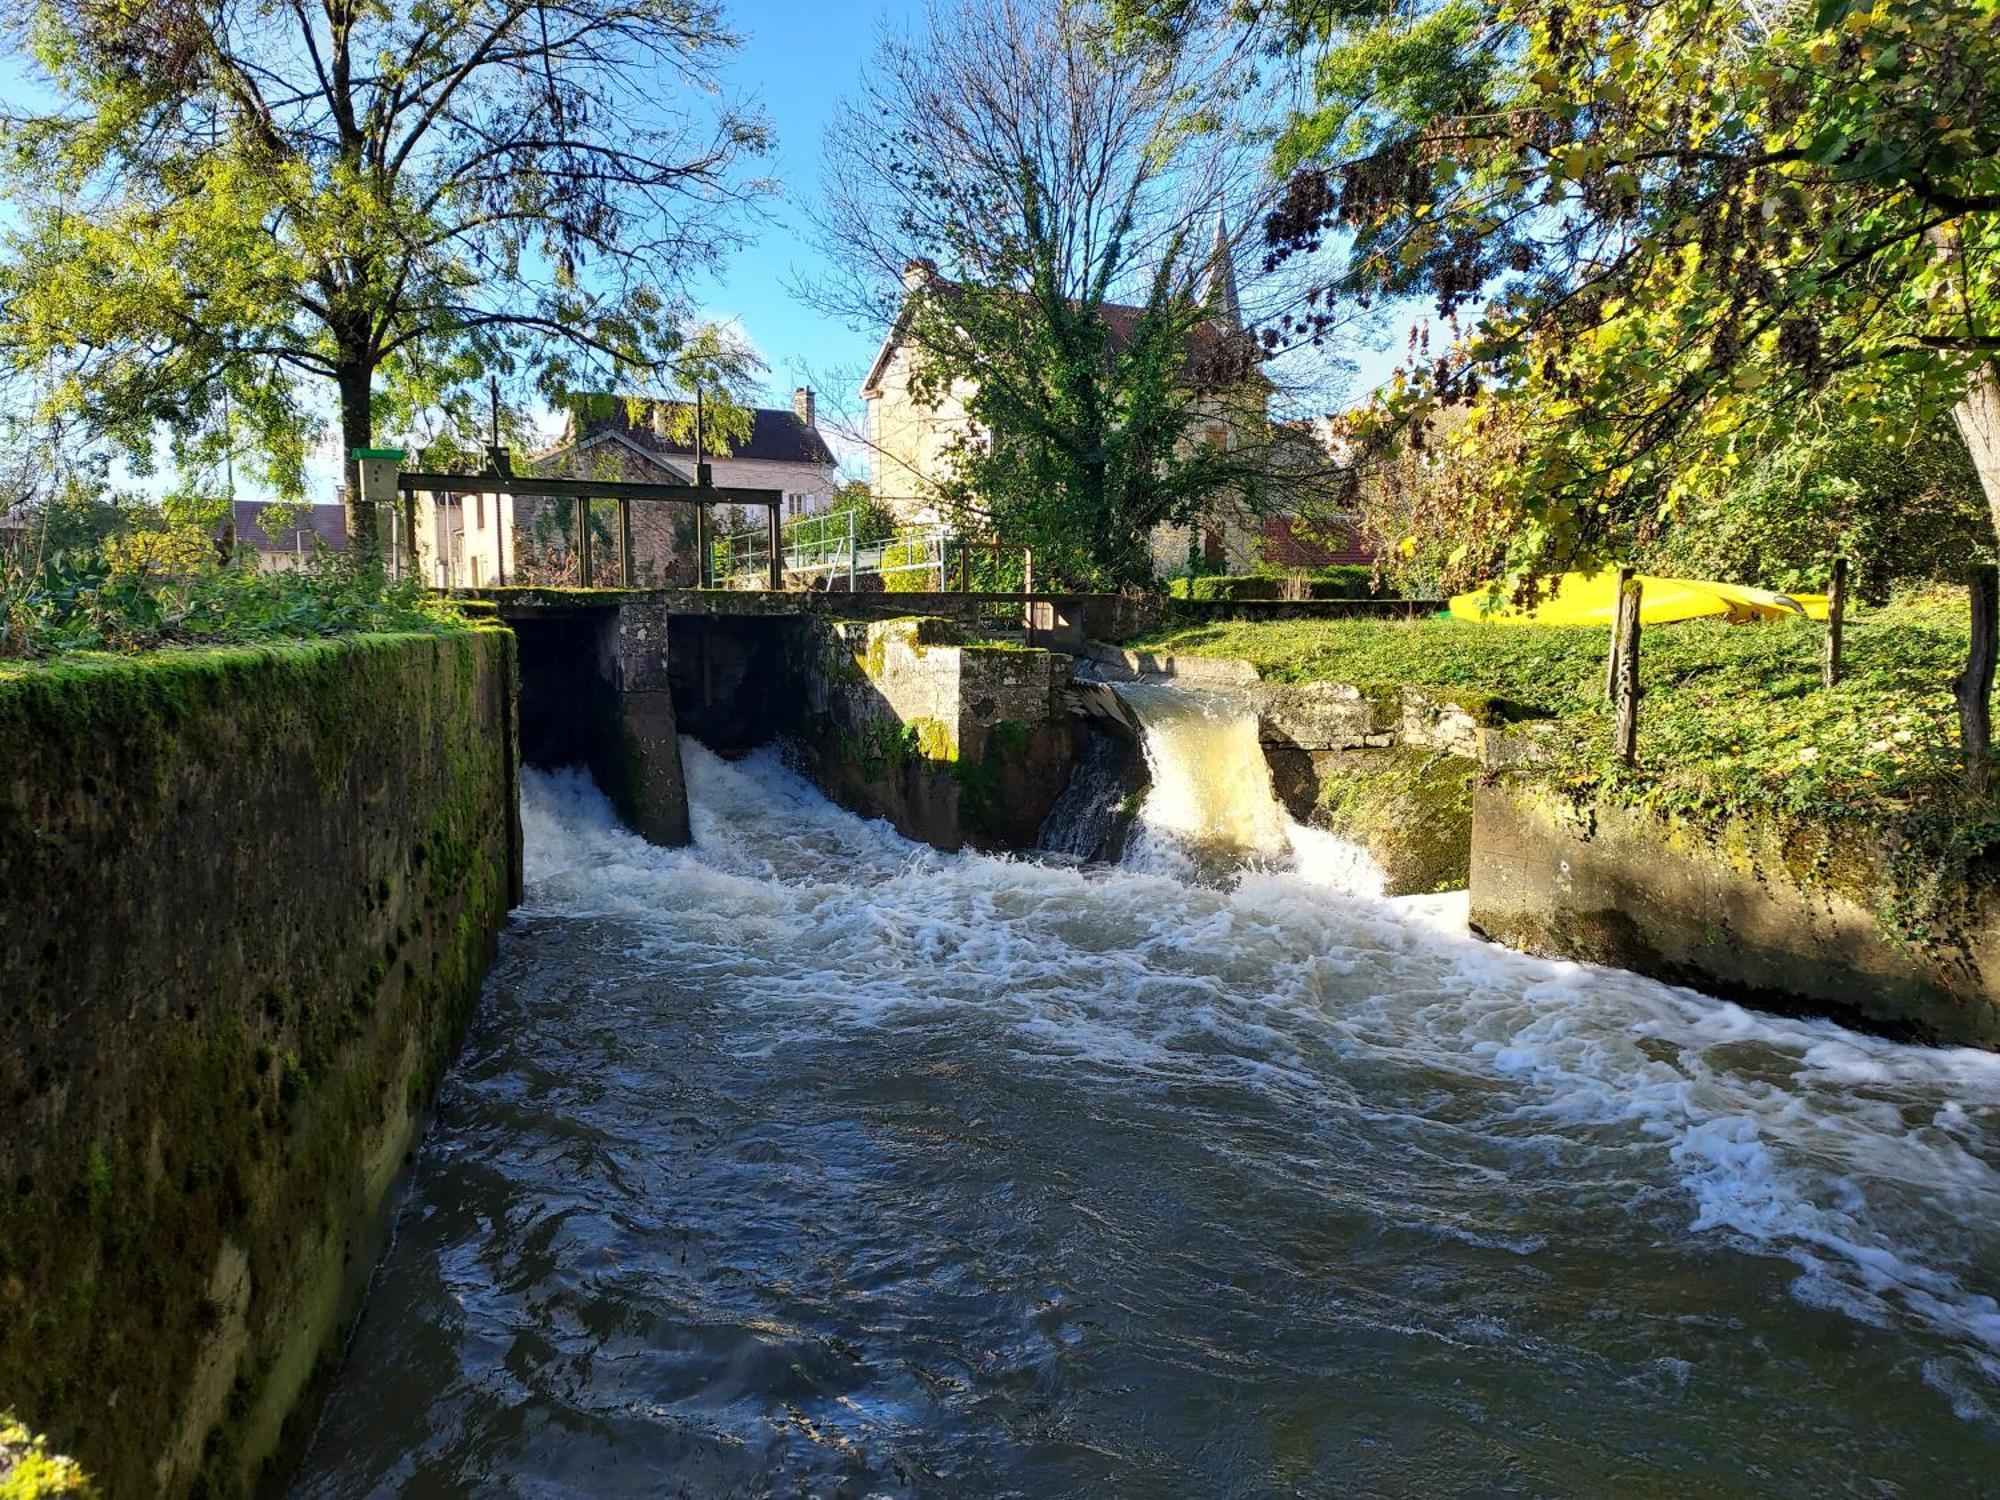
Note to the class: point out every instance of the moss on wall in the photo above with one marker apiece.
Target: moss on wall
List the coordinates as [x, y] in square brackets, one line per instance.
[1410, 808]
[250, 897]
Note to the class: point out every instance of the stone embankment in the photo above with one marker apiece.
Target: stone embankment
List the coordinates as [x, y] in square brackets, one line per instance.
[249, 897]
[1441, 789]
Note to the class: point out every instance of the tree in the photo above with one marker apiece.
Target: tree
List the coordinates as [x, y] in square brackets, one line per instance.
[1679, 228]
[234, 204]
[1033, 207]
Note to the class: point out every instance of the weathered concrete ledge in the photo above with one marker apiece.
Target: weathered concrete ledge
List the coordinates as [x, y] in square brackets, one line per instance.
[954, 744]
[249, 897]
[597, 691]
[1779, 918]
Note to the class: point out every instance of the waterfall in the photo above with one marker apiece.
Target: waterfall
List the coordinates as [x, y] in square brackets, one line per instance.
[1211, 810]
[1090, 819]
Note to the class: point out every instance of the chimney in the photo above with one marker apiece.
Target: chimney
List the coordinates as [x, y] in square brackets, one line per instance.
[803, 407]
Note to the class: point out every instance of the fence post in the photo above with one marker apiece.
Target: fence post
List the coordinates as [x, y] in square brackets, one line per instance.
[700, 545]
[584, 570]
[1617, 618]
[964, 565]
[1027, 570]
[1837, 609]
[850, 550]
[1626, 735]
[625, 578]
[777, 539]
[1974, 686]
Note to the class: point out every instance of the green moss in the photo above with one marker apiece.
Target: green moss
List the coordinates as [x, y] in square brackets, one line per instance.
[1411, 808]
[935, 739]
[235, 1121]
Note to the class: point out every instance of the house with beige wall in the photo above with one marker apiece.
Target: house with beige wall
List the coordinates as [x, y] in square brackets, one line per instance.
[473, 540]
[910, 439]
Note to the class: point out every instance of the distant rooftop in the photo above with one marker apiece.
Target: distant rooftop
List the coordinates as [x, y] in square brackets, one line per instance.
[777, 435]
[325, 523]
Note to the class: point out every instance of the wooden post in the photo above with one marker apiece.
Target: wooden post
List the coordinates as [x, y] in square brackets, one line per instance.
[625, 577]
[1027, 570]
[776, 533]
[1617, 616]
[700, 546]
[1974, 686]
[1836, 614]
[580, 519]
[410, 531]
[964, 565]
[1625, 739]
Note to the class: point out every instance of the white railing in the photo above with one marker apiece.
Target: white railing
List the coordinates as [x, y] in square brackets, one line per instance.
[826, 547]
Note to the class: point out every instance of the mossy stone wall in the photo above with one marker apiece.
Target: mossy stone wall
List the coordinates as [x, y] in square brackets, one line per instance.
[248, 898]
[954, 744]
[1792, 919]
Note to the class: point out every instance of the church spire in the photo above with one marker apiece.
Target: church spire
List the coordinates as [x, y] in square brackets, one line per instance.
[1224, 305]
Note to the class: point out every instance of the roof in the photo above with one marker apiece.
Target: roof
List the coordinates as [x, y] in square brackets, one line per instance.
[326, 523]
[1327, 544]
[777, 435]
[626, 441]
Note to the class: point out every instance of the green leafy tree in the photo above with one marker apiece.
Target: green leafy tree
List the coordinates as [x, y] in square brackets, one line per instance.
[1675, 230]
[233, 209]
[1032, 207]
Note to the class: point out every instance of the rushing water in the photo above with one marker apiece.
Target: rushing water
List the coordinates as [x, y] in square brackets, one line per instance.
[810, 1161]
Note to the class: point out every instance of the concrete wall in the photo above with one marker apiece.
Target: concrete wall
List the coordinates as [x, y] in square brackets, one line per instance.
[1789, 920]
[954, 744]
[247, 900]
[597, 691]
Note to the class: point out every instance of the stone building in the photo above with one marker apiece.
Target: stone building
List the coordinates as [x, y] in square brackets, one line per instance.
[910, 438]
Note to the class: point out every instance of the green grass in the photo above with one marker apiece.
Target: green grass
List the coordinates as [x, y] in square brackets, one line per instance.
[1733, 717]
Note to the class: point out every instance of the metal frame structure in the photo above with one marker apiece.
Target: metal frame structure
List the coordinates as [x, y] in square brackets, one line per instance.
[500, 479]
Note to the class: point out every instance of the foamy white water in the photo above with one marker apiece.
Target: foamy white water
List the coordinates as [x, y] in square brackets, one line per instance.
[1870, 1164]
[808, 1156]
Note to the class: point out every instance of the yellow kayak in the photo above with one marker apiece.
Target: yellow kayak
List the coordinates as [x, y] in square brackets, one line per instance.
[1591, 599]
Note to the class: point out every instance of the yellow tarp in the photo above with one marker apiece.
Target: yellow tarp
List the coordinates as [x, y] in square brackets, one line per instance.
[1591, 599]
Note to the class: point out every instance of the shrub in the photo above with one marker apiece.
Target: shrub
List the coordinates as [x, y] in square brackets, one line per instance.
[1348, 581]
[169, 587]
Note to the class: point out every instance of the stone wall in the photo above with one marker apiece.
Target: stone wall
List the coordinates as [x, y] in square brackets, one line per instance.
[953, 743]
[1789, 919]
[597, 691]
[248, 897]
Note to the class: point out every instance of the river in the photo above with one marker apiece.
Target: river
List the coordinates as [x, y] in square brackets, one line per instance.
[809, 1161]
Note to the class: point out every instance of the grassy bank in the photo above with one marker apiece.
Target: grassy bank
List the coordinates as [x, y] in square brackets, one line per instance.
[1733, 718]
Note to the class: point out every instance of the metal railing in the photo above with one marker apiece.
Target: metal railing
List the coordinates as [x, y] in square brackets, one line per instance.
[826, 549]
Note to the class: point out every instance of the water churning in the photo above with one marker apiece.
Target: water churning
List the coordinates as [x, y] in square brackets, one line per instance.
[808, 1160]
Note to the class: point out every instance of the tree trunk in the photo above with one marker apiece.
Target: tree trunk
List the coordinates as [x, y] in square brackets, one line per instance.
[357, 428]
[1978, 417]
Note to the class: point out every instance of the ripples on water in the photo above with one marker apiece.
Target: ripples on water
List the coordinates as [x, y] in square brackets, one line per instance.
[810, 1161]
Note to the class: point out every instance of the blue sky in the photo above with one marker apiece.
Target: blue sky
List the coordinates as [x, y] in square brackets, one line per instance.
[798, 58]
